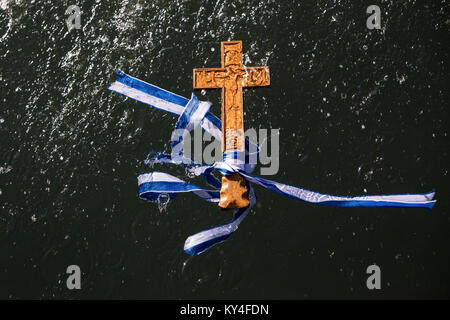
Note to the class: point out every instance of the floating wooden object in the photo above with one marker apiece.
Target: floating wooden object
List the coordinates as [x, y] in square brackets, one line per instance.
[231, 78]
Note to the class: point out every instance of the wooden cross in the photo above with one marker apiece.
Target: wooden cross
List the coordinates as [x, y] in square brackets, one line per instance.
[231, 78]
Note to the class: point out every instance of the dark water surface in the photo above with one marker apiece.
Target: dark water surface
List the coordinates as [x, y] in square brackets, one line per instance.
[359, 112]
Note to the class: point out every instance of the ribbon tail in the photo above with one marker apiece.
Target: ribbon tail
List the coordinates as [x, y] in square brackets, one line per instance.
[154, 185]
[399, 200]
[202, 241]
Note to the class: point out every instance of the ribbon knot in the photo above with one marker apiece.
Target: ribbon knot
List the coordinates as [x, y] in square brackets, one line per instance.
[233, 162]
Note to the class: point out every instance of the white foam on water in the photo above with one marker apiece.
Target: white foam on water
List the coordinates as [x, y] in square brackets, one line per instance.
[4, 4]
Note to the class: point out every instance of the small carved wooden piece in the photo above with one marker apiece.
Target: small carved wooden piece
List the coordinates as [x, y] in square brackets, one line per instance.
[231, 78]
[234, 193]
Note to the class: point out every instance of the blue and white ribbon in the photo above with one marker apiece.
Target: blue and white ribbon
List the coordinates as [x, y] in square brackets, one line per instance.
[157, 186]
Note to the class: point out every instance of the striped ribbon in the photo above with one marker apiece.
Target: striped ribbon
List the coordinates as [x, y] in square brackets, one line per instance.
[158, 186]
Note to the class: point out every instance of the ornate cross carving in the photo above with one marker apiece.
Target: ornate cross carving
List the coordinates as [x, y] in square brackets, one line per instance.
[231, 78]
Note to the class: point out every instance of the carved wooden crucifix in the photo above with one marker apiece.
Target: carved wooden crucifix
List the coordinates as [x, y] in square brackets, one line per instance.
[231, 78]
